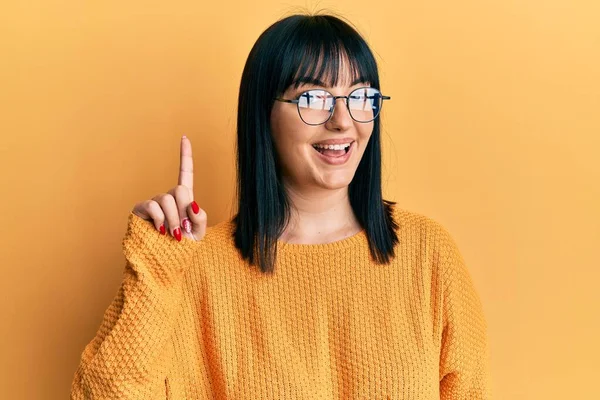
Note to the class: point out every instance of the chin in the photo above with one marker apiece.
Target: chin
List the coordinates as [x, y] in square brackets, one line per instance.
[334, 180]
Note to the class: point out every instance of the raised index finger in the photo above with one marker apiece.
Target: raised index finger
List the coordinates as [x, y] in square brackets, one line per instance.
[186, 164]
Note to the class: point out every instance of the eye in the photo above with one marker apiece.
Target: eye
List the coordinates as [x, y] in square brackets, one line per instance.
[315, 99]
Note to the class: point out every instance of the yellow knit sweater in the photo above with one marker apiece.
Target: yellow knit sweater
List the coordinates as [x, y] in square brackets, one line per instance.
[192, 320]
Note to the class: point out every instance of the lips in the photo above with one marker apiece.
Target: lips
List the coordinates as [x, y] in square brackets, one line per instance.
[336, 141]
[339, 160]
[320, 150]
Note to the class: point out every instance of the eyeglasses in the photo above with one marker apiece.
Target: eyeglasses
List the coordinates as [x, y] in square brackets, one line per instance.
[316, 106]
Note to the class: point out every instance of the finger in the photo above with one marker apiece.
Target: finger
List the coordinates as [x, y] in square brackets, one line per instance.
[169, 208]
[150, 210]
[157, 215]
[182, 198]
[186, 165]
[141, 210]
[199, 221]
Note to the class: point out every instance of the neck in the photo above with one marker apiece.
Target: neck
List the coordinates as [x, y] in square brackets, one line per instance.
[320, 216]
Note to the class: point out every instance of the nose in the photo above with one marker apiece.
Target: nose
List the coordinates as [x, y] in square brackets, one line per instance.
[340, 119]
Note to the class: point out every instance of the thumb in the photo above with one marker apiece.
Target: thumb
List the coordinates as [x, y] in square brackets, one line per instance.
[199, 219]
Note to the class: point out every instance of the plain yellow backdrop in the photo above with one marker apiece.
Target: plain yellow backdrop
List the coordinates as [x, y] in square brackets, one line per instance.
[493, 130]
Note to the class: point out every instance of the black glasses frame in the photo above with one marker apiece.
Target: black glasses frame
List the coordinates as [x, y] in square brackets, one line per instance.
[335, 98]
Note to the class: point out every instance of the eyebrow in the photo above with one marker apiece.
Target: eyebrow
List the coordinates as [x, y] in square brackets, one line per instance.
[313, 81]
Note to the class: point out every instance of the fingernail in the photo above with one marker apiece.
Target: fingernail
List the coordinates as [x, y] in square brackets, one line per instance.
[183, 137]
[162, 229]
[177, 233]
[195, 207]
[187, 225]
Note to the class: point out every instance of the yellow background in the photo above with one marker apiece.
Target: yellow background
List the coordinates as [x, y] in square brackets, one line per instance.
[493, 130]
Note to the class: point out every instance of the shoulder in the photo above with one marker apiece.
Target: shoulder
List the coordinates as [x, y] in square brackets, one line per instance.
[216, 250]
[219, 235]
[433, 239]
[416, 222]
[425, 233]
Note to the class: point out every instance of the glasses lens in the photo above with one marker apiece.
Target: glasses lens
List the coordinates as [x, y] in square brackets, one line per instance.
[365, 104]
[315, 106]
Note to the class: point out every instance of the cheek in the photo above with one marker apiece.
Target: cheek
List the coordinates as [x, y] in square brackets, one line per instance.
[365, 131]
[290, 134]
[285, 120]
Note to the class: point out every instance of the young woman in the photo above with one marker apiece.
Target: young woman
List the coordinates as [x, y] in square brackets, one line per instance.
[318, 288]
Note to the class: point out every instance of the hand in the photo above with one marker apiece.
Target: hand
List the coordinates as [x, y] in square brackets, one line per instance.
[175, 209]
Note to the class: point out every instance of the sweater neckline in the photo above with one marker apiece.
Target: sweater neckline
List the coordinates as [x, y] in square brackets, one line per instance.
[351, 241]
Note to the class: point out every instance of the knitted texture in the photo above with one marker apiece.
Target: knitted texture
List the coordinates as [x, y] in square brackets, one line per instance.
[193, 320]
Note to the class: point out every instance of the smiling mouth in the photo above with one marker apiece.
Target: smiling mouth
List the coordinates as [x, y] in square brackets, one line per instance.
[339, 154]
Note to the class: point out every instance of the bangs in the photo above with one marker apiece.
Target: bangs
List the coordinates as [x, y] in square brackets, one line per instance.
[318, 51]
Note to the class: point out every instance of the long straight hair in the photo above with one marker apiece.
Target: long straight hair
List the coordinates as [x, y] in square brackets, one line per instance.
[300, 46]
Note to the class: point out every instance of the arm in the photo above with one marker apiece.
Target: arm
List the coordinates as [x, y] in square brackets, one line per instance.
[465, 353]
[129, 356]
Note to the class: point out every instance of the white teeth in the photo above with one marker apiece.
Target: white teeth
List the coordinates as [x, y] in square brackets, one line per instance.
[332, 146]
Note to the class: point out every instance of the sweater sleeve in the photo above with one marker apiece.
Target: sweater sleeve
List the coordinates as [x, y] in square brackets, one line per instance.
[129, 356]
[465, 353]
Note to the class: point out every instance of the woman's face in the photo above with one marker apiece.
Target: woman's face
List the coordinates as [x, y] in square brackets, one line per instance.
[302, 165]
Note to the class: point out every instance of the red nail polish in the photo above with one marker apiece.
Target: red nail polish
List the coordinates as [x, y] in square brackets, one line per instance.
[162, 229]
[177, 233]
[195, 207]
